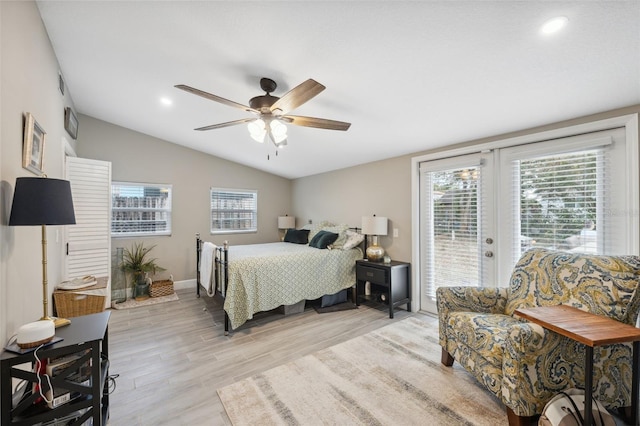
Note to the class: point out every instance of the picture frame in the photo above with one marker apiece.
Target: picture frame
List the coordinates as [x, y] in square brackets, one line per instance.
[71, 123]
[33, 145]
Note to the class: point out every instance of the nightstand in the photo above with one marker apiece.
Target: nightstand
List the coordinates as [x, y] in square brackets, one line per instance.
[394, 277]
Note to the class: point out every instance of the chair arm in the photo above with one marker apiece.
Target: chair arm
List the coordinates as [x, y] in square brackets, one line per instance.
[491, 300]
[468, 299]
[531, 355]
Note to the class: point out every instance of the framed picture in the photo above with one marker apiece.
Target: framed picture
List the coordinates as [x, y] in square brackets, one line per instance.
[70, 123]
[33, 145]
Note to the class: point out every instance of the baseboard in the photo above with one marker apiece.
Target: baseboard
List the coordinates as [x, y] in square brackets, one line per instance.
[185, 284]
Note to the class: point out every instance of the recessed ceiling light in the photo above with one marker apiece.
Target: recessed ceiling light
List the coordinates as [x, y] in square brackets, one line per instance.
[166, 101]
[554, 24]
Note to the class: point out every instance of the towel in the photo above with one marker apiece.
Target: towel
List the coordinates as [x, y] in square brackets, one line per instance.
[206, 267]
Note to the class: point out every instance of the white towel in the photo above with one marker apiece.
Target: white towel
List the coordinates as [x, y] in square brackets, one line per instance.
[206, 267]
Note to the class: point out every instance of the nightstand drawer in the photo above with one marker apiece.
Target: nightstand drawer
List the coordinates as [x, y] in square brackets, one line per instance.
[373, 275]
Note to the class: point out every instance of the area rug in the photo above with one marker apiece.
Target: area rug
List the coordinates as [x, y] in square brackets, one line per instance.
[132, 303]
[391, 376]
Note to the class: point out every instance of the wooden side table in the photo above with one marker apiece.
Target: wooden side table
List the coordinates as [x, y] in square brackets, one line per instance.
[394, 276]
[591, 330]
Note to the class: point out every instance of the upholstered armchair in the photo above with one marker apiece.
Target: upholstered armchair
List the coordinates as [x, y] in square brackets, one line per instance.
[523, 364]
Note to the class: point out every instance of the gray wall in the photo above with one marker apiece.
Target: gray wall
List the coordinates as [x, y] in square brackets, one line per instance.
[28, 83]
[382, 188]
[137, 157]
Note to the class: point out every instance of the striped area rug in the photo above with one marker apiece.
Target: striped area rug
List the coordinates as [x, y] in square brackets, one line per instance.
[391, 376]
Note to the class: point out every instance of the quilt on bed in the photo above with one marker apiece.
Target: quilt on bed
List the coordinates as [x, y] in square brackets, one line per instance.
[265, 276]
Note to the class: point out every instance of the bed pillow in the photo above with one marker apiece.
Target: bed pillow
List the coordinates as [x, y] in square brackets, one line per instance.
[315, 228]
[340, 230]
[296, 236]
[323, 239]
[353, 239]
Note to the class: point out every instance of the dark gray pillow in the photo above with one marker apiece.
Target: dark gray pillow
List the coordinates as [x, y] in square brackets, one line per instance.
[323, 239]
[296, 236]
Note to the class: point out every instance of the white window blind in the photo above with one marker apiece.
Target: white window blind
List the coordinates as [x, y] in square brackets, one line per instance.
[560, 201]
[139, 209]
[233, 211]
[454, 222]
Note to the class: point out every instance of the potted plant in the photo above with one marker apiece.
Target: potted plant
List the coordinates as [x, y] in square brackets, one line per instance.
[136, 262]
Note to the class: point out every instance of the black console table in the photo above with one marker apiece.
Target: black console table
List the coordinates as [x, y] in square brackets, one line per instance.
[393, 276]
[87, 338]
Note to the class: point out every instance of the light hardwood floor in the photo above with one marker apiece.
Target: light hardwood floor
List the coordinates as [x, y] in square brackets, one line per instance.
[172, 357]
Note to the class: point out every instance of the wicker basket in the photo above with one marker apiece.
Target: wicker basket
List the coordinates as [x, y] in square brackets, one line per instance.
[161, 288]
[70, 304]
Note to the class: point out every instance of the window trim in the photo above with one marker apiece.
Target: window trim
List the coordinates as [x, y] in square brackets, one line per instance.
[168, 209]
[218, 231]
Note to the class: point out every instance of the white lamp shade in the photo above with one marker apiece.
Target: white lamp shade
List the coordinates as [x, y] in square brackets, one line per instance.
[374, 225]
[257, 130]
[286, 222]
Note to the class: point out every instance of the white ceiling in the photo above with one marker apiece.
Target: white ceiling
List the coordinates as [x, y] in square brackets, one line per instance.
[409, 76]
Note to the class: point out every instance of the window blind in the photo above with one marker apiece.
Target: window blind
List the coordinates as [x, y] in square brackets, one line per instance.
[233, 211]
[453, 219]
[561, 200]
[139, 209]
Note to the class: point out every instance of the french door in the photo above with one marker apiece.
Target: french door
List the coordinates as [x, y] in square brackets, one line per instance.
[480, 212]
[456, 203]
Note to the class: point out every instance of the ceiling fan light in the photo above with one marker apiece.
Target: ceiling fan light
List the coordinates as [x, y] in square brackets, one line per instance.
[278, 129]
[257, 130]
[279, 139]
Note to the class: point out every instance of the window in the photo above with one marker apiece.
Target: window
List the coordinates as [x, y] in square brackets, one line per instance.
[139, 209]
[233, 211]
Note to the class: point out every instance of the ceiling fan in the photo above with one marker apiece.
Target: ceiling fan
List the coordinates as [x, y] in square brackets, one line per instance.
[271, 111]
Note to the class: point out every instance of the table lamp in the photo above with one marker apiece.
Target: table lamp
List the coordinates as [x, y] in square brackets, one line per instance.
[374, 225]
[286, 222]
[42, 201]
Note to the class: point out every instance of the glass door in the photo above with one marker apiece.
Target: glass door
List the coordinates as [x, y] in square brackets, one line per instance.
[456, 211]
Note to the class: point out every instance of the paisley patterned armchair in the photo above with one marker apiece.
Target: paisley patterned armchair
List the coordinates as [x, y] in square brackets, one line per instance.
[523, 364]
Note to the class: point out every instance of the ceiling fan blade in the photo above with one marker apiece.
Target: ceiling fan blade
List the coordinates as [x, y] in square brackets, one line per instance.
[212, 97]
[297, 96]
[227, 124]
[320, 123]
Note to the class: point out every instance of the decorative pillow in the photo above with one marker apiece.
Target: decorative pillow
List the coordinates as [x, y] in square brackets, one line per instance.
[340, 230]
[315, 228]
[353, 239]
[296, 236]
[323, 239]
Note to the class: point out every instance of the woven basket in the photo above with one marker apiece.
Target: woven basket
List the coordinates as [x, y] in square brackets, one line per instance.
[161, 288]
[70, 304]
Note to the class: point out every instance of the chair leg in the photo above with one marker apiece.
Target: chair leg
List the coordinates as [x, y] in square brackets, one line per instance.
[446, 358]
[516, 420]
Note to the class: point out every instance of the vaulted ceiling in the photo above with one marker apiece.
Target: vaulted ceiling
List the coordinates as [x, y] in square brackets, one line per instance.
[409, 76]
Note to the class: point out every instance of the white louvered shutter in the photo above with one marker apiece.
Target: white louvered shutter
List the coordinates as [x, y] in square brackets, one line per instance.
[89, 240]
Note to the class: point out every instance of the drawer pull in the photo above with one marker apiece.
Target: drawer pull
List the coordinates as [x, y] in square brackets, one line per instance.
[369, 274]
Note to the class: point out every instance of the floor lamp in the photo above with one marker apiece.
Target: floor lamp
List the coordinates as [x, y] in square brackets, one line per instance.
[42, 201]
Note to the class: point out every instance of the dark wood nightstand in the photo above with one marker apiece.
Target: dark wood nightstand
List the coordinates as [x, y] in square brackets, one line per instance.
[394, 277]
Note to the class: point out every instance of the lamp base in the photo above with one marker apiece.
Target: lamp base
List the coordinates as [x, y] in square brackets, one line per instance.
[375, 253]
[57, 322]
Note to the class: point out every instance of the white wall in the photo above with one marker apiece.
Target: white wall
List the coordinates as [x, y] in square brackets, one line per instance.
[28, 83]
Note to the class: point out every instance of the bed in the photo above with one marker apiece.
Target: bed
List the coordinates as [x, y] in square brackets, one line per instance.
[261, 277]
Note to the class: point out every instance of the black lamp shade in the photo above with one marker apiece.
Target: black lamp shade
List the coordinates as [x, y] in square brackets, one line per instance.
[42, 201]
